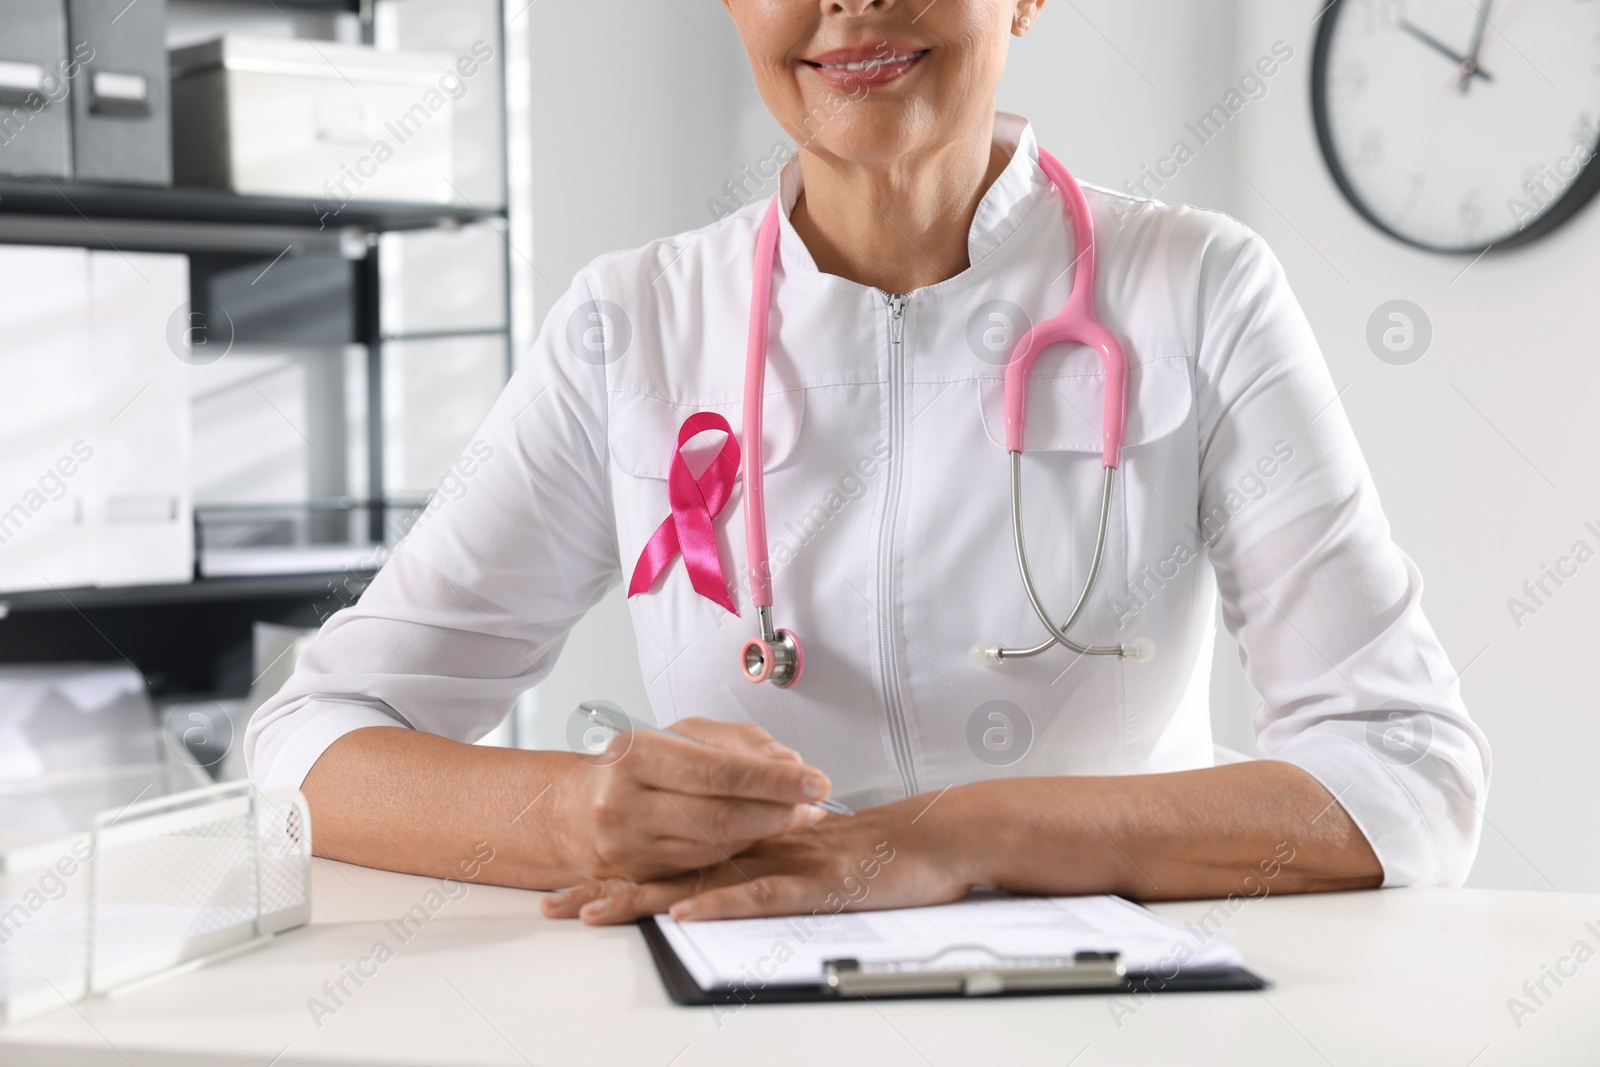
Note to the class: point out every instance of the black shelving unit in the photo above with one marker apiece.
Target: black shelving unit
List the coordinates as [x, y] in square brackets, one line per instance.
[188, 638]
[133, 203]
[352, 6]
[200, 591]
[195, 637]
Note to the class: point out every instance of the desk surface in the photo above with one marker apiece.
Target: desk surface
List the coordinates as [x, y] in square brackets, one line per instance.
[1412, 977]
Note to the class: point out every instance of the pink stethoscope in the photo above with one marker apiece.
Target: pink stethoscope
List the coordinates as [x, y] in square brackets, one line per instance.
[775, 655]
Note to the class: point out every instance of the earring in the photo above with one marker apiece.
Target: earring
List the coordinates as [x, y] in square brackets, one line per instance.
[1024, 21]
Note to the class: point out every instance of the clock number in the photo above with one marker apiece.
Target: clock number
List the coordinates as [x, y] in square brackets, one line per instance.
[1418, 183]
[1369, 152]
[1382, 15]
[1351, 80]
[1470, 213]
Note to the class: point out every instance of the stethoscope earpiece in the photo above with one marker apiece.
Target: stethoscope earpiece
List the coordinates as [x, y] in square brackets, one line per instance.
[986, 654]
[1139, 650]
[993, 653]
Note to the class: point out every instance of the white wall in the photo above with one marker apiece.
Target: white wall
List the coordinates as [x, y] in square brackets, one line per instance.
[1109, 86]
[1484, 473]
[637, 116]
[1483, 453]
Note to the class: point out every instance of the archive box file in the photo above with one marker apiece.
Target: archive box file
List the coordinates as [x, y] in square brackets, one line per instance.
[332, 121]
[36, 71]
[121, 124]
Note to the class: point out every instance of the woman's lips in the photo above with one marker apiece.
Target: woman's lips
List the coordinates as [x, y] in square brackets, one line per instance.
[865, 67]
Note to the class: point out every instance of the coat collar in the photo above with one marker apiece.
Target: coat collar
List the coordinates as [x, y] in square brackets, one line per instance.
[1003, 207]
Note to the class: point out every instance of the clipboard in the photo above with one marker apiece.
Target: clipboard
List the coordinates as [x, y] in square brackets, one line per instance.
[845, 980]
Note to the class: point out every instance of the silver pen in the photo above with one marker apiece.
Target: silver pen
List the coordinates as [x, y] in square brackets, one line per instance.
[601, 715]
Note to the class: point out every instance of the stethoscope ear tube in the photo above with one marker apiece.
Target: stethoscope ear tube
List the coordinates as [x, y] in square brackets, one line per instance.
[1077, 322]
[1137, 650]
[755, 375]
[775, 656]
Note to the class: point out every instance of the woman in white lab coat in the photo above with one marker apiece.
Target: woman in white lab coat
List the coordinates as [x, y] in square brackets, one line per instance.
[916, 224]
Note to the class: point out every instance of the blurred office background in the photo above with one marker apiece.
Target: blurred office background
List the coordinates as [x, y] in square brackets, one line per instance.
[357, 376]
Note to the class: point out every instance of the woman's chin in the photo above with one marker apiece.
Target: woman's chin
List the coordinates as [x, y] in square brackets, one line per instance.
[868, 144]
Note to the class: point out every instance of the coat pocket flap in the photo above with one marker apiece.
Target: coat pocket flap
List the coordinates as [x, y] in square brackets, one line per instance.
[1064, 410]
[644, 431]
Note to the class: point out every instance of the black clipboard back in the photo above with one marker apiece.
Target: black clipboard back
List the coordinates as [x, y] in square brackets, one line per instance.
[683, 989]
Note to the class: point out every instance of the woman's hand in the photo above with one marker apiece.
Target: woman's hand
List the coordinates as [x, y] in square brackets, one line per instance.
[1246, 829]
[879, 858]
[650, 806]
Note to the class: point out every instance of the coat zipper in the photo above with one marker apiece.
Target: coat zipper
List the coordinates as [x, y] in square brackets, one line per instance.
[886, 592]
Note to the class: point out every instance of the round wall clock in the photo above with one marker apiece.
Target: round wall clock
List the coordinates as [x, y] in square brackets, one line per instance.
[1460, 125]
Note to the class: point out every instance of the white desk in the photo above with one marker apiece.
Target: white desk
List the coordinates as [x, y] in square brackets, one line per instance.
[1413, 977]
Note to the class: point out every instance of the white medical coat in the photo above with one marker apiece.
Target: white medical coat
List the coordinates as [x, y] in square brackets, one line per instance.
[888, 517]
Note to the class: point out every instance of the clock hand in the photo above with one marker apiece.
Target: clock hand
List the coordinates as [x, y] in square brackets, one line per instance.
[1483, 24]
[1470, 67]
[1432, 42]
[1443, 49]
[1499, 28]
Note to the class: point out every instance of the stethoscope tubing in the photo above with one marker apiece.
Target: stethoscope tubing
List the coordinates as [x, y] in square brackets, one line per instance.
[1058, 634]
[1077, 322]
[755, 375]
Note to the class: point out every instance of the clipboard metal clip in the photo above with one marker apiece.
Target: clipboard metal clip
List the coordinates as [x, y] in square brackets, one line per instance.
[973, 971]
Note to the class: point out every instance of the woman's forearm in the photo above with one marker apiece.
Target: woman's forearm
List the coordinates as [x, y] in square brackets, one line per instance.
[414, 802]
[647, 806]
[1245, 828]
[409, 801]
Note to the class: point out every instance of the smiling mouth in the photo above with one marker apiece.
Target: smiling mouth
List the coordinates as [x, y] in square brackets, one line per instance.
[868, 64]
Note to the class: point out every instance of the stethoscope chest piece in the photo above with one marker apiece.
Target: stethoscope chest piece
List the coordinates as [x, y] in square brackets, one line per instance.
[775, 656]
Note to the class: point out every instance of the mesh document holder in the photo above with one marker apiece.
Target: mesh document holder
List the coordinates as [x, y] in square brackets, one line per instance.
[152, 886]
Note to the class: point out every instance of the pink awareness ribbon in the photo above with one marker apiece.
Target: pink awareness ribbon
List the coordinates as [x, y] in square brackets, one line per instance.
[694, 504]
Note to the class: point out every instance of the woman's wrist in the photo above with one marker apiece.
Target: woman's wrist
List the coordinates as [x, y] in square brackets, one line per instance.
[568, 854]
[1029, 835]
[1174, 836]
[970, 830]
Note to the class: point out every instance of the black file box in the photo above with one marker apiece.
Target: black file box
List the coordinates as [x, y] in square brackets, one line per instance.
[36, 76]
[121, 118]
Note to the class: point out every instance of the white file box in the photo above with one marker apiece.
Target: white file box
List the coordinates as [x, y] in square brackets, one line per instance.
[141, 507]
[331, 121]
[46, 447]
[94, 420]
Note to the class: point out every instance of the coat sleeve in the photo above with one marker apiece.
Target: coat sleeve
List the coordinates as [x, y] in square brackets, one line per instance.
[1327, 609]
[476, 602]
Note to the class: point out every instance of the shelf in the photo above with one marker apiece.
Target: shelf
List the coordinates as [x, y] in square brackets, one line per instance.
[269, 587]
[350, 6]
[95, 200]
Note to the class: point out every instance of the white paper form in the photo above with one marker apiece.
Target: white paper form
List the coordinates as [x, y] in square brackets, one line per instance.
[791, 950]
